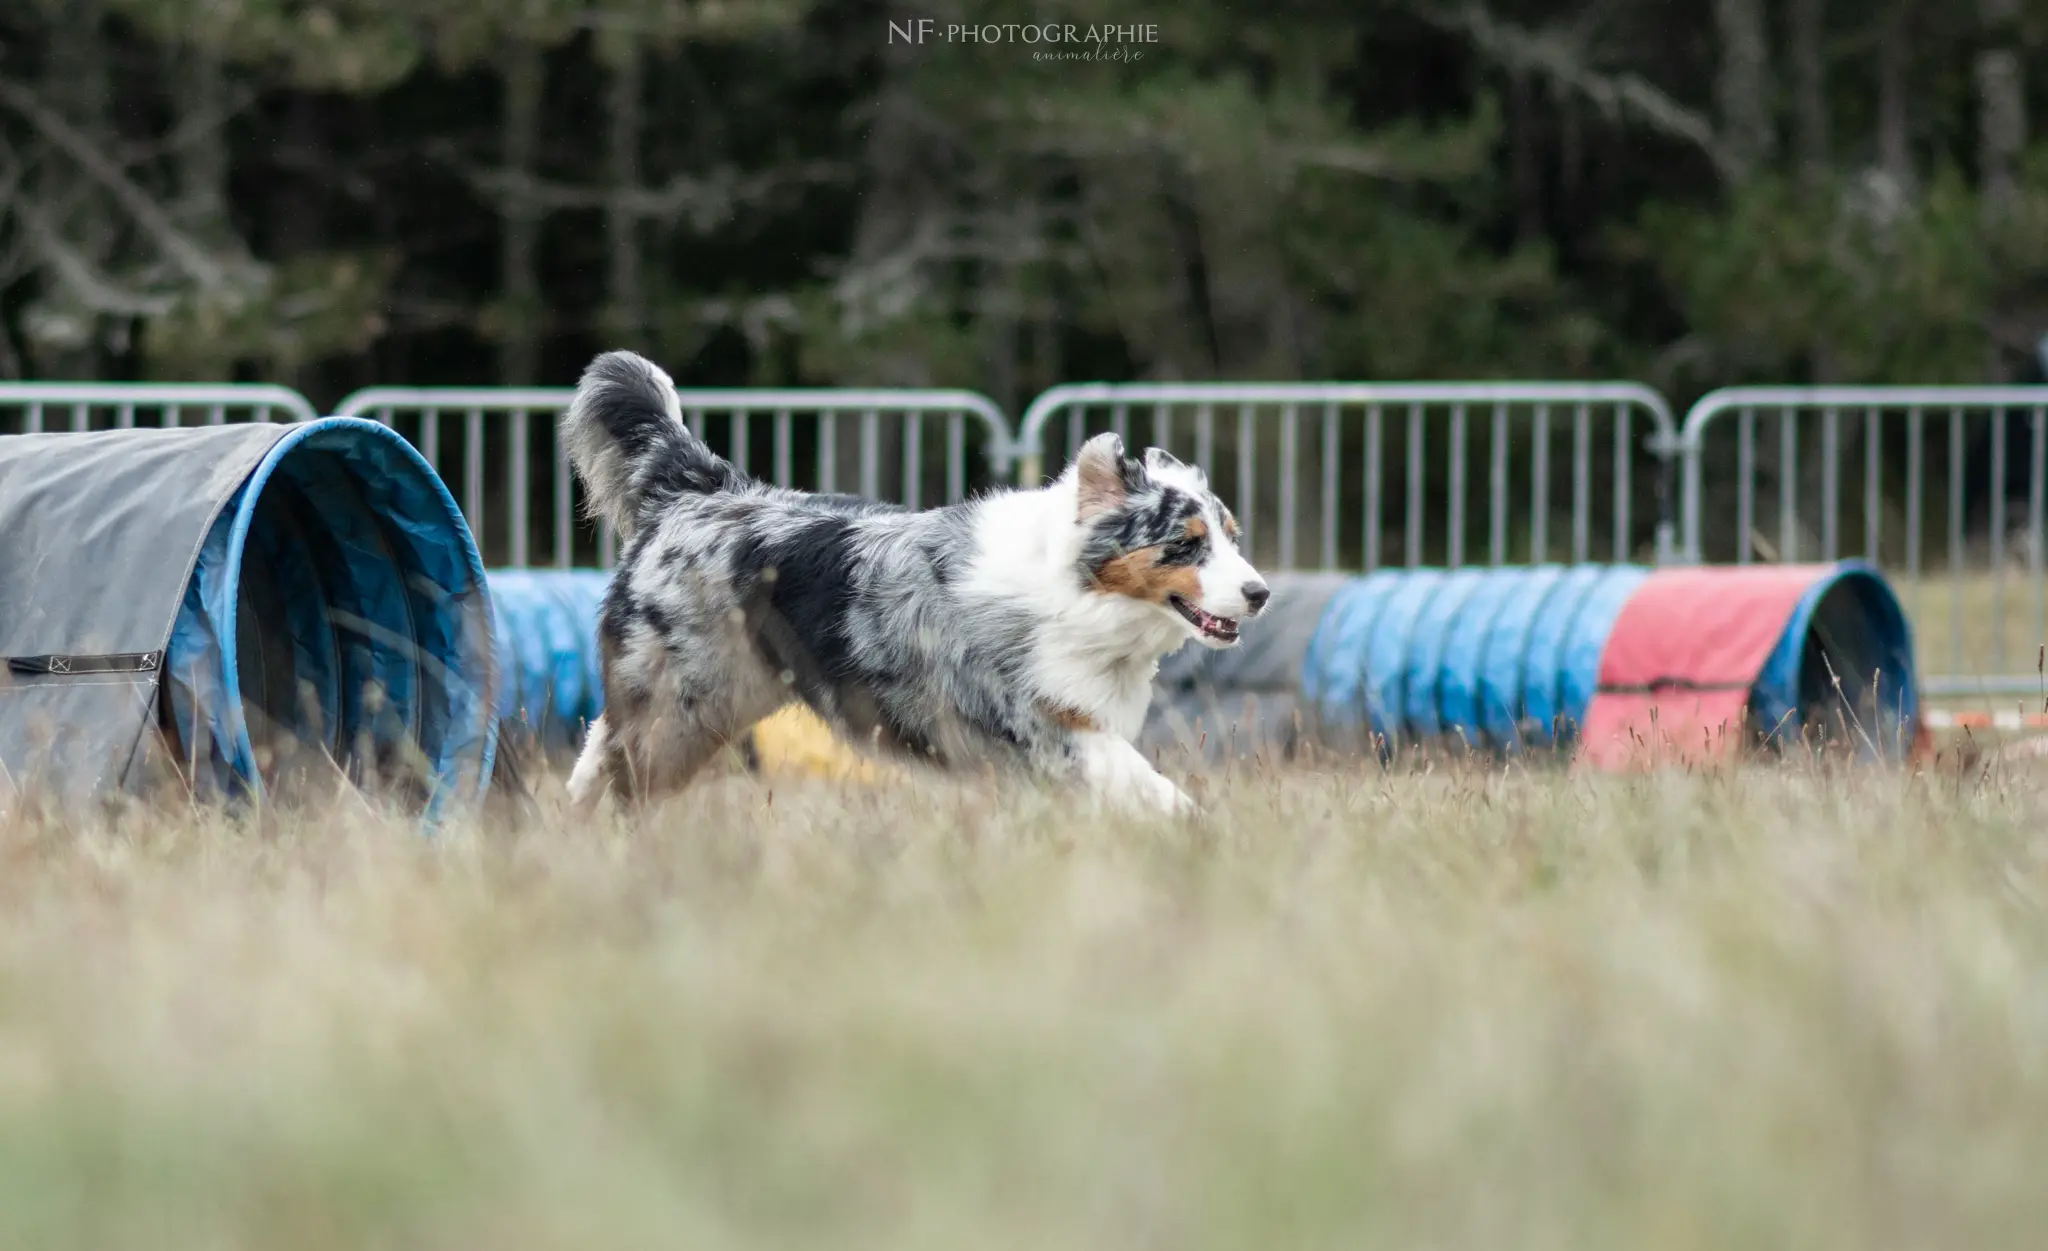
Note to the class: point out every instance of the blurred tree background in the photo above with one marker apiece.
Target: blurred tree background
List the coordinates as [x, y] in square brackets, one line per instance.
[334, 193]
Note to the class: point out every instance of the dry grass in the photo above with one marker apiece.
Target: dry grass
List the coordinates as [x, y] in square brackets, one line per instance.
[1444, 1010]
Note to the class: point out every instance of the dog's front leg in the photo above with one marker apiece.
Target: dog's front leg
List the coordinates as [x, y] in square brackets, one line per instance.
[586, 780]
[1117, 772]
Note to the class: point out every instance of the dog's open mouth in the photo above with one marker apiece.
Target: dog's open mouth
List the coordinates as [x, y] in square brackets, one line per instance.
[1222, 629]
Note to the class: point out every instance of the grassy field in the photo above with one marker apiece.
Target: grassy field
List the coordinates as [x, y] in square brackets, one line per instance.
[1422, 1009]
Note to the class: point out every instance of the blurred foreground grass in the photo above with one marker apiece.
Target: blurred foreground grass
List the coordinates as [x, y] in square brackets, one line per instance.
[1451, 1010]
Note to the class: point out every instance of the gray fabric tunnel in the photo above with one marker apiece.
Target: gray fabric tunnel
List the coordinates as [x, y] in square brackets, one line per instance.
[211, 604]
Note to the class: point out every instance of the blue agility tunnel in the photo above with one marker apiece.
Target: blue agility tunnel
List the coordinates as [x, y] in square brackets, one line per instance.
[241, 607]
[1500, 658]
[551, 685]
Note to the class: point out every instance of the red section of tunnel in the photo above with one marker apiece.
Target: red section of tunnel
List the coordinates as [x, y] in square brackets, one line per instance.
[1676, 673]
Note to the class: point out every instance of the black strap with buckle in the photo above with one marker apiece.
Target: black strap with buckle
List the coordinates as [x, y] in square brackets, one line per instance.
[74, 666]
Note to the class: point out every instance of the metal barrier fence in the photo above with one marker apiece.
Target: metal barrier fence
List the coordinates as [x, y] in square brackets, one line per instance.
[1341, 437]
[1945, 487]
[1948, 495]
[874, 442]
[40, 407]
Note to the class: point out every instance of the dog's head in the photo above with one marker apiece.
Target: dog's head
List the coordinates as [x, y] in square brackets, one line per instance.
[1153, 533]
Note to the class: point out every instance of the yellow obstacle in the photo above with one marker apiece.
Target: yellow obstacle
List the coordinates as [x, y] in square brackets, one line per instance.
[795, 742]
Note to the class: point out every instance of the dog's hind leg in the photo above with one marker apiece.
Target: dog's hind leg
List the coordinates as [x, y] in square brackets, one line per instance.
[658, 751]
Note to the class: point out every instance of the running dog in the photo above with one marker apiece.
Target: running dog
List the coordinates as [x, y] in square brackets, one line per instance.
[1020, 629]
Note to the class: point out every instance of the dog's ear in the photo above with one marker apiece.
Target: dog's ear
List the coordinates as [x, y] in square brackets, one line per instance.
[1158, 459]
[1104, 476]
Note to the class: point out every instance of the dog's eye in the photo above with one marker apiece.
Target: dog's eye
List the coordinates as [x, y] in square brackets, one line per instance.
[1184, 551]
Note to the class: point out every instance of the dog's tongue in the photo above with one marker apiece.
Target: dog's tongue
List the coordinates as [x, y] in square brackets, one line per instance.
[1213, 624]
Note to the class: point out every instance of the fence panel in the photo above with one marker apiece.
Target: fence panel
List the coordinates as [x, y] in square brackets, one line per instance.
[497, 449]
[1359, 475]
[40, 407]
[1941, 486]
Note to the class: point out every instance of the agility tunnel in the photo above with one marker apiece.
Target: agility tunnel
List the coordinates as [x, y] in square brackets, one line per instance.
[545, 638]
[1211, 705]
[1602, 662]
[553, 688]
[242, 607]
[1597, 660]
[1702, 662]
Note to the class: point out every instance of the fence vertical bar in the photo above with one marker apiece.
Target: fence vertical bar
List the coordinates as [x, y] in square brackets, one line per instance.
[1289, 483]
[473, 474]
[35, 418]
[173, 416]
[1788, 483]
[1916, 461]
[1497, 490]
[124, 417]
[785, 471]
[1624, 483]
[1371, 538]
[1831, 482]
[1582, 485]
[870, 453]
[1955, 537]
[1998, 538]
[1539, 488]
[1329, 467]
[1162, 428]
[1873, 485]
[565, 509]
[913, 461]
[828, 453]
[956, 458]
[520, 485]
[1247, 490]
[2037, 497]
[1413, 539]
[1454, 504]
[1745, 486]
[737, 423]
[218, 415]
[81, 418]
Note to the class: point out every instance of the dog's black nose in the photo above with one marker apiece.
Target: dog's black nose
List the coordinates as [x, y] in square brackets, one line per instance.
[1256, 594]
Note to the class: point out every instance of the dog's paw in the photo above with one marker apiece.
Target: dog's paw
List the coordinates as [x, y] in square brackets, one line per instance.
[1171, 800]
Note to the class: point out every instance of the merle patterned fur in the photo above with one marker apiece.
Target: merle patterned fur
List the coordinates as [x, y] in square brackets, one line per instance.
[1020, 629]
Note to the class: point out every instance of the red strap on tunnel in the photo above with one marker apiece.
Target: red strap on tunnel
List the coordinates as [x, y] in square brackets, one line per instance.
[1677, 669]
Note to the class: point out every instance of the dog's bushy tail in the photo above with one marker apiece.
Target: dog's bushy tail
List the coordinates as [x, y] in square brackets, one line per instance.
[626, 437]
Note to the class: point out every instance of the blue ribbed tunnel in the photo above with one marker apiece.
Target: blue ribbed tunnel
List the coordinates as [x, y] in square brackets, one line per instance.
[336, 606]
[1500, 658]
[546, 644]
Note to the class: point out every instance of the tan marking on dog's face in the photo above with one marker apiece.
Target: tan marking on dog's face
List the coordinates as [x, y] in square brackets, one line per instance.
[1067, 718]
[1139, 575]
[1197, 528]
[1230, 530]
